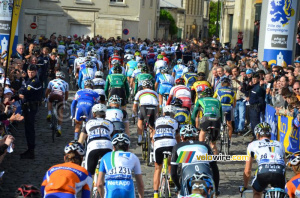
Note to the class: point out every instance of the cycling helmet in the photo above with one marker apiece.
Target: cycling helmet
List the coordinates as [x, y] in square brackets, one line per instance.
[88, 58]
[127, 51]
[145, 69]
[177, 102]
[190, 63]
[188, 131]
[74, 146]
[202, 74]
[207, 92]
[276, 193]
[115, 61]
[179, 61]
[60, 74]
[170, 109]
[180, 81]
[225, 80]
[120, 138]
[163, 69]
[138, 58]
[98, 108]
[80, 54]
[191, 68]
[294, 159]
[89, 64]
[137, 53]
[160, 57]
[117, 69]
[141, 64]
[147, 84]
[99, 74]
[263, 128]
[115, 99]
[88, 83]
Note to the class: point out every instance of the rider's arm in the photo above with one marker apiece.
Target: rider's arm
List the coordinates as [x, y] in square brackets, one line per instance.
[174, 167]
[101, 183]
[106, 87]
[135, 85]
[79, 80]
[47, 92]
[195, 112]
[86, 191]
[156, 86]
[247, 172]
[126, 87]
[140, 185]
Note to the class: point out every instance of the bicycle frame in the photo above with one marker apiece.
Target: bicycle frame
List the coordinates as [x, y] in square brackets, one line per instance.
[165, 190]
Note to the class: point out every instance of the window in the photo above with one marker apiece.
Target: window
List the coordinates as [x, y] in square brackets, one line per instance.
[143, 3]
[182, 3]
[151, 3]
[84, 1]
[117, 1]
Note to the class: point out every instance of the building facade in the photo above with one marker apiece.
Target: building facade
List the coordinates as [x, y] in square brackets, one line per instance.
[108, 18]
[191, 16]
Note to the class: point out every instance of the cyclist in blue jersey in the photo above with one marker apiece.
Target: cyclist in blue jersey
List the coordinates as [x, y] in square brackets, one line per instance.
[88, 73]
[130, 67]
[115, 172]
[165, 82]
[83, 102]
[178, 69]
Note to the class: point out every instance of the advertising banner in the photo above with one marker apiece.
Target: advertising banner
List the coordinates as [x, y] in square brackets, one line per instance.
[271, 118]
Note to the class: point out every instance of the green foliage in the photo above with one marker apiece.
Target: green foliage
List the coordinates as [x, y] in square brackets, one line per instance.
[213, 12]
[166, 15]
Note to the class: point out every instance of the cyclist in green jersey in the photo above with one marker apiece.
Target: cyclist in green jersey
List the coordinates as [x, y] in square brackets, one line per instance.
[210, 110]
[141, 77]
[117, 84]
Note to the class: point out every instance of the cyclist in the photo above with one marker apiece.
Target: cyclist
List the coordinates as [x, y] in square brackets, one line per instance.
[189, 135]
[151, 59]
[87, 73]
[116, 63]
[83, 102]
[98, 132]
[78, 61]
[182, 92]
[115, 172]
[210, 114]
[227, 97]
[115, 114]
[116, 57]
[182, 115]
[269, 155]
[136, 72]
[117, 84]
[199, 86]
[292, 186]
[147, 99]
[65, 180]
[165, 82]
[141, 77]
[99, 83]
[178, 69]
[57, 89]
[130, 66]
[190, 77]
[201, 185]
[159, 63]
[166, 131]
[127, 57]
[165, 58]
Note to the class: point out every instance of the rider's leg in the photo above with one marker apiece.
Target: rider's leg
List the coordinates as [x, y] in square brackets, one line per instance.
[202, 136]
[230, 129]
[127, 128]
[60, 117]
[156, 176]
[139, 127]
[77, 129]
[160, 100]
[214, 148]
[49, 108]
[256, 194]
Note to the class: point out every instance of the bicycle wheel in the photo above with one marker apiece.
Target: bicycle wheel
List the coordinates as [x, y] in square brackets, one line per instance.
[144, 147]
[166, 187]
[148, 148]
[162, 186]
[226, 141]
[221, 141]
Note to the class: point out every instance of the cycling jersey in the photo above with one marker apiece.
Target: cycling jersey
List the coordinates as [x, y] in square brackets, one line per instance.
[118, 167]
[128, 57]
[85, 74]
[292, 187]
[267, 152]
[58, 84]
[111, 71]
[182, 92]
[115, 114]
[130, 67]
[178, 70]
[77, 62]
[83, 102]
[98, 128]
[200, 86]
[165, 127]
[209, 107]
[66, 180]
[146, 97]
[226, 96]
[158, 64]
[99, 82]
[189, 79]
[61, 49]
[183, 116]
[140, 78]
[135, 73]
[117, 81]
[166, 82]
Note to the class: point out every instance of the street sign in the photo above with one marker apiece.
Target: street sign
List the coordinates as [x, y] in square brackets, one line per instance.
[33, 25]
[126, 31]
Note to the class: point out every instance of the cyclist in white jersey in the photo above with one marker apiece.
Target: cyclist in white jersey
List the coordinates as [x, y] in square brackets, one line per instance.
[115, 172]
[270, 156]
[57, 89]
[98, 133]
[99, 84]
[159, 63]
[78, 61]
[147, 100]
[166, 132]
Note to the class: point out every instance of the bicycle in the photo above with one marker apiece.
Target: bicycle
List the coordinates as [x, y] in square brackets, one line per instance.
[95, 193]
[224, 136]
[164, 189]
[146, 142]
[54, 120]
[208, 134]
[268, 193]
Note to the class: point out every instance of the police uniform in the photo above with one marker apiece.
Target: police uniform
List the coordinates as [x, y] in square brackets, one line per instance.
[32, 96]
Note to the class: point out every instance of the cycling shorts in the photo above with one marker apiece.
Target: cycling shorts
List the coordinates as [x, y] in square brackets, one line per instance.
[148, 110]
[164, 89]
[60, 195]
[186, 102]
[161, 145]
[83, 109]
[58, 96]
[208, 122]
[71, 62]
[119, 189]
[119, 92]
[94, 152]
[129, 72]
[229, 111]
[266, 174]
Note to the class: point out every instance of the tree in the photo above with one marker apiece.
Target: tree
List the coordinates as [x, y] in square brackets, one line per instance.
[213, 12]
[166, 15]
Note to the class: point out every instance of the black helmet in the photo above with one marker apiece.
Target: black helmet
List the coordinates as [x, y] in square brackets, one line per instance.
[117, 69]
[225, 80]
[145, 69]
[190, 63]
[202, 74]
[147, 84]
[177, 102]
[207, 92]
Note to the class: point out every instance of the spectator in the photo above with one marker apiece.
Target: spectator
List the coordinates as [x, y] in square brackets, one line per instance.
[291, 81]
[297, 53]
[20, 52]
[221, 74]
[296, 72]
[5, 142]
[289, 71]
[268, 87]
[284, 83]
[277, 99]
[276, 71]
[296, 89]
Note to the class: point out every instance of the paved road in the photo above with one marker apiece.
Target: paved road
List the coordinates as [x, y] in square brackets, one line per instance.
[47, 154]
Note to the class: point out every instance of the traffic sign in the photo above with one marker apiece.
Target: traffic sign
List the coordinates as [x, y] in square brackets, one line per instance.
[126, 31]
[33, 25]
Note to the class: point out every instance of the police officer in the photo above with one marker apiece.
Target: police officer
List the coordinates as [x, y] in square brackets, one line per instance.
[255, 95]
[31, 95]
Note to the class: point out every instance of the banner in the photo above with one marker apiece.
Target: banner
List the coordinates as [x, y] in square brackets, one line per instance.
[280, 25]
[271, 118]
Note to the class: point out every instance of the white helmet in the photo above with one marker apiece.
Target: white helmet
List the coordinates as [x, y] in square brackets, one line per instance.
[74, 146]
[98, 108]
[170, 109]
[138, 58]
[99, 74]
[80, 54]
[161, 64]
[60, 74]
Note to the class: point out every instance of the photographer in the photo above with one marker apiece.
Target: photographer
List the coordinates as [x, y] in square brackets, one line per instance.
[43, 65]
[277, 99]
[29, 52]
[268, 83]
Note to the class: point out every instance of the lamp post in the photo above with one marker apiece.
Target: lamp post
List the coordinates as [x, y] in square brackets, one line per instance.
[217, 28]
